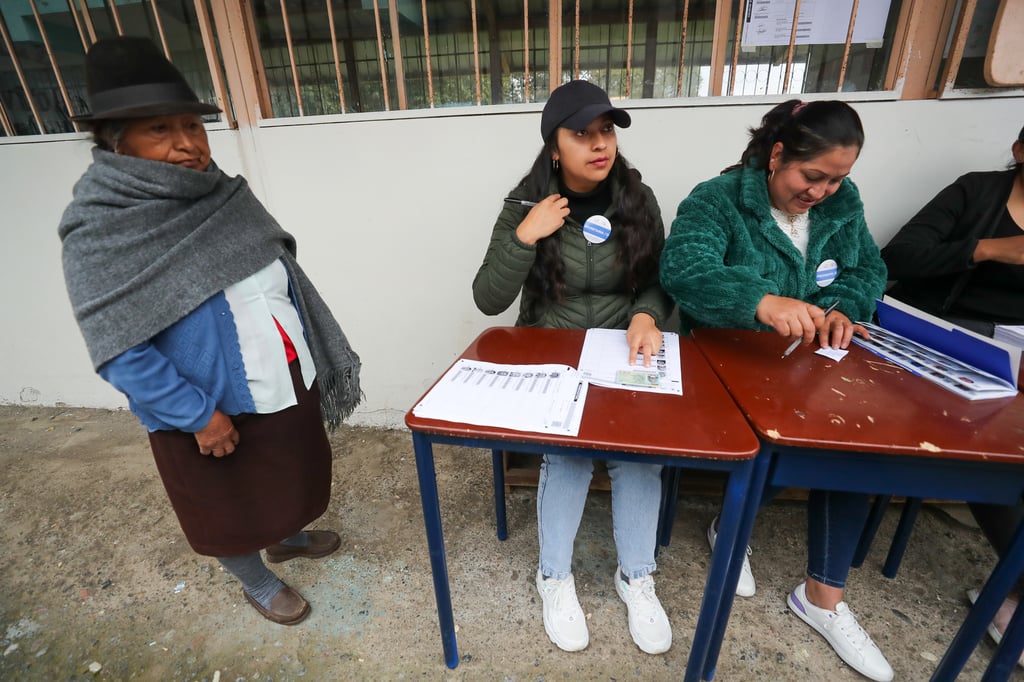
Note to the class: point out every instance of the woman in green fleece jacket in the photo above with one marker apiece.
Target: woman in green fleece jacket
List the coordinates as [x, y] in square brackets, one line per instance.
[769, 244]
[580, 238]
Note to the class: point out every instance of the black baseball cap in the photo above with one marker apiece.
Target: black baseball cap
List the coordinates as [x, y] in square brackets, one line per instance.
[575, 104]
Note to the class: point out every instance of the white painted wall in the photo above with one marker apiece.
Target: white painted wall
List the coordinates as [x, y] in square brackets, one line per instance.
[392, 219]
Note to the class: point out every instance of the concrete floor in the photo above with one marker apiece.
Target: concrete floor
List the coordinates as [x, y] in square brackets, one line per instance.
[96, 572]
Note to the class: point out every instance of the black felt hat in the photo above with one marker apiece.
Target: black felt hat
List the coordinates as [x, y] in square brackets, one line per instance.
[128, 77]
[575, 104]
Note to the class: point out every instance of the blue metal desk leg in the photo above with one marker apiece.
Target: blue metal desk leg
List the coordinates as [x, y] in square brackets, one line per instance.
[902, 537]
[750, 492]
[870, 528]
[1005, 660]
[435, 543]
[999, 584]
[670, 477]
[499, 494]
[716, 602]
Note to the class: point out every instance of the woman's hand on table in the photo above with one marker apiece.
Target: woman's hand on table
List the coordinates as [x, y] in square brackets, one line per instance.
[790, 317]
[218, 437]
[643, 336]
[838, 331]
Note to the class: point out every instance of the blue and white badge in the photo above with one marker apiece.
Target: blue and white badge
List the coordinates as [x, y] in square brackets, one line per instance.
[826, 273]
[597, 229]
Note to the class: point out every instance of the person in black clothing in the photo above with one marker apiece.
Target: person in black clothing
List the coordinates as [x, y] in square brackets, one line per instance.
[961, 258]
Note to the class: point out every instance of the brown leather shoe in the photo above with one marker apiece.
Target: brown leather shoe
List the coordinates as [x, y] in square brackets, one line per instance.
[286, 608]
[321, 543]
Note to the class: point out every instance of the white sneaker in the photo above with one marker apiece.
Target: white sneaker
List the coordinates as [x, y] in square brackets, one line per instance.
[648, 623]
[745, 587]
[563, 618]
[841, 630]
[993, 631]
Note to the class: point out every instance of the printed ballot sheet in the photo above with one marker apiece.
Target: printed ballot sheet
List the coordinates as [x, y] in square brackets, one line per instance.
[944, 370]
[538, 398]
[604, 361]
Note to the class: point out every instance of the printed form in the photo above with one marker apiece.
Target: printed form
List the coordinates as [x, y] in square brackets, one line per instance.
[604, 361]
[538, 398]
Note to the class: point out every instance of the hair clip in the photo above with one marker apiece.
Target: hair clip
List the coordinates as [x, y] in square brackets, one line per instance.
[798, 108]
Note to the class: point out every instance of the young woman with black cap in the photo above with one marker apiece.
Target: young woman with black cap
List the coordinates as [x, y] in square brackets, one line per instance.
[579, 238]
[192, 304]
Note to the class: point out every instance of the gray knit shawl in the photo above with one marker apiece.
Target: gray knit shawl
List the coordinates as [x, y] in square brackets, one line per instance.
[146, 242]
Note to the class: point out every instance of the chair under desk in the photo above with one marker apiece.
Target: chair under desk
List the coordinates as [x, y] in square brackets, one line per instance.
[617, 424]
[865, 425]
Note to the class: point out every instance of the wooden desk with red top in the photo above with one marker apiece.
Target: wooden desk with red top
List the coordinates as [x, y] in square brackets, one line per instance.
[864, 425]
[700, 429]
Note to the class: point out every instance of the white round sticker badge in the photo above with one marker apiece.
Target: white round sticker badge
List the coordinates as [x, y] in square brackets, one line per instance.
[597, 229]
[826, 273]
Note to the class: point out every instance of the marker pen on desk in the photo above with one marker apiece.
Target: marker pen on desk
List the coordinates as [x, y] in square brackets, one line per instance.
[792, 346]
[575, 401]
[521, 202]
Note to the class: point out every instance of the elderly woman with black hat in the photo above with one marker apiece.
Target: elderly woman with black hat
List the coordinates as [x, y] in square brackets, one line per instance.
[192, 304]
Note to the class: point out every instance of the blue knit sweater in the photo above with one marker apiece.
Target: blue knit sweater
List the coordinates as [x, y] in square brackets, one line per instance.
[725, 252]
[176, 379]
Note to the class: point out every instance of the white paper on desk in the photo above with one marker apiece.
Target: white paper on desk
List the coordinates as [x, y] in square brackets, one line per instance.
[836, 354]
[537, 398]
[604, 361]
[1011, 334]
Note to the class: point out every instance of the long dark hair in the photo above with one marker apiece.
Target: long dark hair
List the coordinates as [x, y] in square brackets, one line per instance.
[638, 226]
[1013, 162]
[805, 129]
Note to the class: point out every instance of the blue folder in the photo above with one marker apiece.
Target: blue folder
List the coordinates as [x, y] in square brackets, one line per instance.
[970, 348]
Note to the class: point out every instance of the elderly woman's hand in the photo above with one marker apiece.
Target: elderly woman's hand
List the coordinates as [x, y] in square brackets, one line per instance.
[218, 437]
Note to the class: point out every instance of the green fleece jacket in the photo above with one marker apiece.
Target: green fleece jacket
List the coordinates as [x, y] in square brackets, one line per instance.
[725, 253]
[596, 294]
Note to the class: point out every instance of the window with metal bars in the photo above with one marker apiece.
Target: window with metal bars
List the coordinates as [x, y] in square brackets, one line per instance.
[330, 57]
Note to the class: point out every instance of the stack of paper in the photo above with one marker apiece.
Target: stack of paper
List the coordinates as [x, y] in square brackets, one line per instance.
[541, 398]
[1013, 335]
[548, 398]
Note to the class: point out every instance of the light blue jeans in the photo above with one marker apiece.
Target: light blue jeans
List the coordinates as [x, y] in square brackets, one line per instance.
[561, 495]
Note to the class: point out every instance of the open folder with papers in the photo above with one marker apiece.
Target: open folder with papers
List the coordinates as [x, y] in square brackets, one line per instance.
[968, 364]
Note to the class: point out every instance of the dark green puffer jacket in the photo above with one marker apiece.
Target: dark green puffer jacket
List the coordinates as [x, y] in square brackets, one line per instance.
[595, 282]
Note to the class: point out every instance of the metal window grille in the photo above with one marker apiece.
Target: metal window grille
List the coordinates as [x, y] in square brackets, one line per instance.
[281, 58]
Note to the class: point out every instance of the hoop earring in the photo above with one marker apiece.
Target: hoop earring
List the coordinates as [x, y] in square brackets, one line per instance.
[771, 175]
[554, 164]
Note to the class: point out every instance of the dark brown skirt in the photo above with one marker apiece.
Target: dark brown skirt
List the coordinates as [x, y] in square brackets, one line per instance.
[276, 481]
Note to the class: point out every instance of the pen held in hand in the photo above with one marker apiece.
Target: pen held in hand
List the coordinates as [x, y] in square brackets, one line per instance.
[521, 202]
[796, 342]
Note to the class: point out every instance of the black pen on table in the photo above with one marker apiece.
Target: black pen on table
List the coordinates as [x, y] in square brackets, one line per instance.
[792, 346]
[521, 202]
